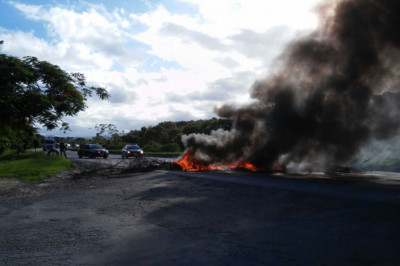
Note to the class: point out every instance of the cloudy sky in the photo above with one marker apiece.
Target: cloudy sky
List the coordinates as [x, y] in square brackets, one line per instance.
[161, 60]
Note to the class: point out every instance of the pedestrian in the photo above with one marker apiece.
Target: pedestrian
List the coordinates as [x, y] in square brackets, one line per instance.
[63, 149]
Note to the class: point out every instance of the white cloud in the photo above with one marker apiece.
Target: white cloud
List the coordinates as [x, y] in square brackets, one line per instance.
[230, 15]
[159, 65]
[83, 40]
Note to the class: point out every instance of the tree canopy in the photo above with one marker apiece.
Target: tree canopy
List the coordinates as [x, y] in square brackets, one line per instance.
[34, 92]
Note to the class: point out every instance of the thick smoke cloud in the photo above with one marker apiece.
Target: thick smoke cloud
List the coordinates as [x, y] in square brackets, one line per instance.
[333, 92]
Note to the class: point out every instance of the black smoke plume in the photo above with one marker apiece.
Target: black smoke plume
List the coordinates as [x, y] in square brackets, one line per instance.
[335, 91]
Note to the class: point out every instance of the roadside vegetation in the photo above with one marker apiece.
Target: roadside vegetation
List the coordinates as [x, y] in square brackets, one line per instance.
[29, 166]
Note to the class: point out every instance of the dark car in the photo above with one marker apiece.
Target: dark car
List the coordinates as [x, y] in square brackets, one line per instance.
[131, 150]
[92, 151]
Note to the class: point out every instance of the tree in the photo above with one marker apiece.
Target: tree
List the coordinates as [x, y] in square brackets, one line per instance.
[108, 135]
[108, 129]
[36, 92]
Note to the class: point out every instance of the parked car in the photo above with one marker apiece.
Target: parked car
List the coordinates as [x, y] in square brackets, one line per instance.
[92, 151]
[131, 150]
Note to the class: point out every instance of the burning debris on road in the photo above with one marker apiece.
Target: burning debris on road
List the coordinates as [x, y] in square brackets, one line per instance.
[334, 92]
[188, 162]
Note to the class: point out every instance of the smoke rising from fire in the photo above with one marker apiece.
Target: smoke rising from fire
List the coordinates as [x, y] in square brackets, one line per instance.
[333, 92]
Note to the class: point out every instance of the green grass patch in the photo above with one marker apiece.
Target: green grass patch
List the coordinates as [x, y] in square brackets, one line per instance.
[31, 165]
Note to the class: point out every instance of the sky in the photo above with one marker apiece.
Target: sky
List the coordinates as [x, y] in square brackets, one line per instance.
[166, 60]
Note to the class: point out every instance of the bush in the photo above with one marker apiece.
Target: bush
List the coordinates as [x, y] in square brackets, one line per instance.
[152, 146]
[171, 147]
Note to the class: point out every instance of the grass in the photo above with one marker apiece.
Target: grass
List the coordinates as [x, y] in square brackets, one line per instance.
[31, 165]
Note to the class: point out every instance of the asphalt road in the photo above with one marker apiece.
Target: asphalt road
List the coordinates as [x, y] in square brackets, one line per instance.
[111, 157]
[200, 218]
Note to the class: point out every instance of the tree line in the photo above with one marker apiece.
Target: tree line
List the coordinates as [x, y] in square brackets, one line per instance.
[166, 136]
[163, 137]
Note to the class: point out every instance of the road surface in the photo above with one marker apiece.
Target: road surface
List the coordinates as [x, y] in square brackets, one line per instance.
[200, 218]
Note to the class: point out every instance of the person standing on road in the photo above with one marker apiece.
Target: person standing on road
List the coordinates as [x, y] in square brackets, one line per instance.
[63, 149]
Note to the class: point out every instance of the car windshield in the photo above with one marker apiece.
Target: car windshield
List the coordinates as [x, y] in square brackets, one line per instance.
[133, 147]
[95, 146]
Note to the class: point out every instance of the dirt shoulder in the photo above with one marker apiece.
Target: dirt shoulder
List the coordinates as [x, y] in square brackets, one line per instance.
[8, 183]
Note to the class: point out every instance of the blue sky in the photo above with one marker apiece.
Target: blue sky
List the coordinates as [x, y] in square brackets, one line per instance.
[161, 60]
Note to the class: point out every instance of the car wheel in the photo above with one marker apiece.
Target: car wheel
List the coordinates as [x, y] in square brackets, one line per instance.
[105, 156]
[123, 156]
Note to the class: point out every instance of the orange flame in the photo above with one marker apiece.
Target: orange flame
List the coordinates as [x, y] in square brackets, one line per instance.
[244, 165]
[188, 163]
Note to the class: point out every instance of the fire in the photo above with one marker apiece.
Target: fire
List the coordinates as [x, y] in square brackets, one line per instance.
[244, 165]
[188, 163]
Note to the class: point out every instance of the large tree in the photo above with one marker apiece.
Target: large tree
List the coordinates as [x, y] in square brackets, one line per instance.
[34, 92]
